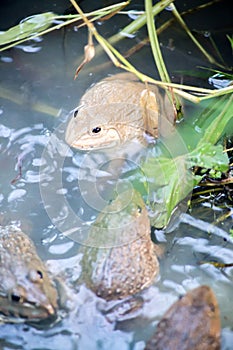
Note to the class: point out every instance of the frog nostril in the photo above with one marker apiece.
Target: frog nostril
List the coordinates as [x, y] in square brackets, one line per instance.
[96, 130]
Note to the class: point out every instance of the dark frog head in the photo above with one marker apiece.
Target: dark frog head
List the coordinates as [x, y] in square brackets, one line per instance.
[26, 290]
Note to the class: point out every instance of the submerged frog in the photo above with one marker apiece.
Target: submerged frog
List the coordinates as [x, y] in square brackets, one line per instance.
[26, 291]
[193, 322]
[121, 258]
[116, 110]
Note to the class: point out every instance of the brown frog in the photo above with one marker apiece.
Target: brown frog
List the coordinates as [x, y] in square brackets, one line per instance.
[120, 258]
[26, 290]
[192, 323]
[116, 110]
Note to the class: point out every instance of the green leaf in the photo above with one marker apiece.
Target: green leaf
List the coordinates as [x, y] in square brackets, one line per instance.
[169, 181]
[221, 109]
[231, 40]
[28, 27]
[217, 71]
[208, 156]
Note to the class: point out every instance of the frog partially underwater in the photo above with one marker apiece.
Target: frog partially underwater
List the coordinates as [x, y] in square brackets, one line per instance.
[120, 259]
[26, 290]
[116, 110]
[191, 323]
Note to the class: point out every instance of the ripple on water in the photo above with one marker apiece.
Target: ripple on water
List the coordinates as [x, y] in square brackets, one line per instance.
[16, 194]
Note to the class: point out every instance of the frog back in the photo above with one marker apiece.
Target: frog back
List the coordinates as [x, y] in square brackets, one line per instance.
[124, 262]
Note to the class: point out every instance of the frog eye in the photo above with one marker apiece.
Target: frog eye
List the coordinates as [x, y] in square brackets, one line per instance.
[96, 130]
[212, 307]
[75, 113]
[16, 298]
[139, 209]
[40, 274]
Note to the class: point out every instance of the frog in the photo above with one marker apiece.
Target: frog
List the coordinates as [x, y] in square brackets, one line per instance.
[116, 110]
[192, 322]
[27, 291]
[119, 257]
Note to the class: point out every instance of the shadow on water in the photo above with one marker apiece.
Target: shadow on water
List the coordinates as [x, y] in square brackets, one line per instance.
[41, 72]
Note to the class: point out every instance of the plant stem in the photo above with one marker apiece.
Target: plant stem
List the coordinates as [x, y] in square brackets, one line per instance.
[192, 37]
[139, 22]
[158, 58]
[38, 106]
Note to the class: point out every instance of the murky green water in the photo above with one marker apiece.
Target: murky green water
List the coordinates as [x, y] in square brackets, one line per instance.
[46, 200]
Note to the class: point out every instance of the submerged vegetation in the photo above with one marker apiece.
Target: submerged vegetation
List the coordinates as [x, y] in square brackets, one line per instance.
[205, 158]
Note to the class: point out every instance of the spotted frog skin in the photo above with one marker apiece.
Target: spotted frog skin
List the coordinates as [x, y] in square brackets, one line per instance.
[116, 110]
[26, 291]
[119, 258]
[192, 323]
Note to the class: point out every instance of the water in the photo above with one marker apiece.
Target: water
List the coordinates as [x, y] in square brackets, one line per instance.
[37, 79]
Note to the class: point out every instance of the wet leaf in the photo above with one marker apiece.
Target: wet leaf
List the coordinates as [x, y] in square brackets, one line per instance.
[28, 27]
[208, 156]
[169, 181]
[221, 112]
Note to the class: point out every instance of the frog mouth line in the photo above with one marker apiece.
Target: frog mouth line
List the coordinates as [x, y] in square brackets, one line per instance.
[88, 142]
[27, 311]
[82, 146]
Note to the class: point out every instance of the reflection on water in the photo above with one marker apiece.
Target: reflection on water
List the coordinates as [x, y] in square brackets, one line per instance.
[45, 200]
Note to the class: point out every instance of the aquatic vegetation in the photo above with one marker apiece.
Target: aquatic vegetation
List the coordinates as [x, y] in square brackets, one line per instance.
[172, 175]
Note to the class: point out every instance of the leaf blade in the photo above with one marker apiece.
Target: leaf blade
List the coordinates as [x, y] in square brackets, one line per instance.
[28, 27]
